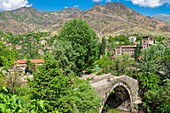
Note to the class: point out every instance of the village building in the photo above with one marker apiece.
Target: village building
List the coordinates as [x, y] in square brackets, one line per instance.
[129, 49]
[147, 41]
[132, 39]
[20, 72]
[21, 65]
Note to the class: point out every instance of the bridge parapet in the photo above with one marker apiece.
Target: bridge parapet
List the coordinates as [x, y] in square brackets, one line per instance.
[98, 78]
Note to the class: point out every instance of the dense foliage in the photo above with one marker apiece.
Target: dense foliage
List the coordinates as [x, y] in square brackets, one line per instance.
[153, 75]
[151, 65]
[103, 46]
[157, 99]
[120, 40]
[66, 56]
[66, 93]
[83, 40]
[9, 103]
[30, 45]
[7, 56]
[118, 66]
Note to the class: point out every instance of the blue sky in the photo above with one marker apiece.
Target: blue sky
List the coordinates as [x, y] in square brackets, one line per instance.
[145, 7]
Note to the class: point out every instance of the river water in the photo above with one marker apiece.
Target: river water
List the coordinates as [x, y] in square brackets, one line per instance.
[117, 111]
[121, 111]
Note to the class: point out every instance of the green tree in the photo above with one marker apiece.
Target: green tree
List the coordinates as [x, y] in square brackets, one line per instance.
[157, 99]
[153, 70]
[105, 63]
[66, 56]
[65, 93]
[110, 46]
[7, 56]
[122, 64]
[166, 63]
[122, 39]
[150, 65]
[2, 80]
[10, 103]
[166, 41]
[84, 41]
[18, 101]
[138, 51]
[103, 46]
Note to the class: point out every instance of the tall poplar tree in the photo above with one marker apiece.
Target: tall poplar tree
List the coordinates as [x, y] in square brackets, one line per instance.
[103, 46]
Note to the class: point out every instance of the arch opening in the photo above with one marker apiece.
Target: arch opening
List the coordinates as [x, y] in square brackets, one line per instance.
[119, 98]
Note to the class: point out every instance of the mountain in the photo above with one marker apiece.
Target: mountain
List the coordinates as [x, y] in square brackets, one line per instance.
[163, 17]
[110, 19]
[24, 20]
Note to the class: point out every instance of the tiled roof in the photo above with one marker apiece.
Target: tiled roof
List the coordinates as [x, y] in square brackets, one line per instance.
[113, 57]
[139, 57]
[20, 61]
[35, 61]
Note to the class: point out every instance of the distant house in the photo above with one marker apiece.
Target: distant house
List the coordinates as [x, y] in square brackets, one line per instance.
[19, 73]
[147, 41]
[129, 49]
[21, 65]
[132, 39]
[34, 61]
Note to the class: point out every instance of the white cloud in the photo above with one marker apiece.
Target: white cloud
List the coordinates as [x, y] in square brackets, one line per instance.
[97, 0]
[7, 5]
[66, 7]
[76, 6]
[101, 0]
[150, 3]
[108, 1]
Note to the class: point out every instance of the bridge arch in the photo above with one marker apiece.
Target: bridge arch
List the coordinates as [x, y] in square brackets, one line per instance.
[124, 90]
[105, 84]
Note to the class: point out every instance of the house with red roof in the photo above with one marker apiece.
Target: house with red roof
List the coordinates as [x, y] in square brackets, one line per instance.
[21, 65]
[20, 71]
[34, 61]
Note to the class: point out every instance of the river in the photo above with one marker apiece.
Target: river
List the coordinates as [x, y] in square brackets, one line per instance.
[116, 111]
[121, 111]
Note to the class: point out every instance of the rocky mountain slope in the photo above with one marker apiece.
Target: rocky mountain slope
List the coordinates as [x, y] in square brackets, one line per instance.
[163, 17]
[109, 19]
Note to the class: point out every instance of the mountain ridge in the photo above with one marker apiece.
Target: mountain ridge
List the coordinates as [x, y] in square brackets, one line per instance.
[163, 17]
[110, 19]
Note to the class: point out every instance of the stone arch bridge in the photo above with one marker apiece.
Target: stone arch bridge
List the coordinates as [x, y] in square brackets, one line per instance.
[124, 88]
